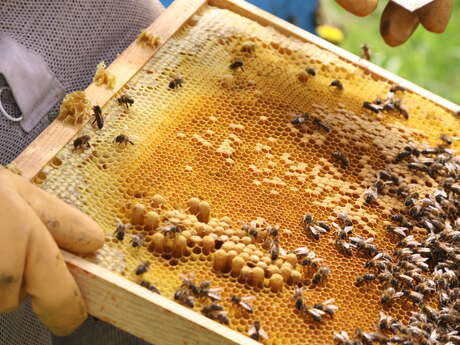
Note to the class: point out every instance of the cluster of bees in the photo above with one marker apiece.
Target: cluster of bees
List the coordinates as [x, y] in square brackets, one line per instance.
[389, 103]
[83, 142]
[419, 269]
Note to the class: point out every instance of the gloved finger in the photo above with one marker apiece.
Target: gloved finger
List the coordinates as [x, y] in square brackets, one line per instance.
[14, 237]
[360, 8]
[397, 24]
[56, 299]
[435, 16]
[72, 229]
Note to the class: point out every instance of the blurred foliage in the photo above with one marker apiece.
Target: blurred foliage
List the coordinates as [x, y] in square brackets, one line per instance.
[429, 60]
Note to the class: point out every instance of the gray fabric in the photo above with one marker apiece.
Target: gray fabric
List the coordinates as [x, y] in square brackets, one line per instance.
[34, 87]
[72, 36]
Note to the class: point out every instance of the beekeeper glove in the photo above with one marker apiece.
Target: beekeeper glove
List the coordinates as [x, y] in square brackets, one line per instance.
[397, 23]
[31, 223]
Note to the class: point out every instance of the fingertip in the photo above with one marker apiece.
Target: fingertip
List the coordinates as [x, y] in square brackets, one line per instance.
[435, 16]
[361, 8]
[397, 24]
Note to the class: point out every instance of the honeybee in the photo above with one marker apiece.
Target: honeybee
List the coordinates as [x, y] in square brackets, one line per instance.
[343, 338]
[222, 317]
[414, 296]
[177, 81]
[142, 268]
[299, 119]
[98, 118]
[311, 260]
[341, 158]
[375, 108]
[211, 308]
[274, 249]
[298, 298]
[311, 71]
[184, 298]
[327, 307]
[256, 332]
[237, 64]
[243, 302]
[370, 195]
[170, 230]
[365, 52]
[399, 218]
[320, 275]
[337, 83]
[122, 139]
[204, 290]
[189, 284]
[149, 286]
[365, 338]
[273, 231]
[320, 124]
[315, 314]
[342, 233]
[398, 230]
[82, 142]
[120, 230]
[401, 156]
[137, 241]
[307, 219]
[388, 323]
[397, 88]
[390, 294]
[216, 312]
[380, 261]
[126, 101]
[366, 246]
[398, 106]
[366, 278]
[418, 167]
[344, 247]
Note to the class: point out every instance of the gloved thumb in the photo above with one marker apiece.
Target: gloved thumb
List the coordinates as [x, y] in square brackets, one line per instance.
[71, 229]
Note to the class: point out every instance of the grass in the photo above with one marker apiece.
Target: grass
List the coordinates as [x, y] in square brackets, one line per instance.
[429, 60]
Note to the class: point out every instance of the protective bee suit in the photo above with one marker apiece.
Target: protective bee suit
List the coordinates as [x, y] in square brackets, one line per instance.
[49, 48]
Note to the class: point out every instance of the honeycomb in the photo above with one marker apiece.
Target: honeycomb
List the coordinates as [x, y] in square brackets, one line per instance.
[226, 136]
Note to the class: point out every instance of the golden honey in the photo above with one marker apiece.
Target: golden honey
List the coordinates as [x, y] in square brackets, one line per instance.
[226, 138]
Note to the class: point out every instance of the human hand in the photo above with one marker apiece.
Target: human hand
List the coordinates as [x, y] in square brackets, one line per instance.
[397, 24]
[31, 223]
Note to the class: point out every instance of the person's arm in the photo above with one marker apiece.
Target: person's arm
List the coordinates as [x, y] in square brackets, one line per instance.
[397, 24]
[32, 225]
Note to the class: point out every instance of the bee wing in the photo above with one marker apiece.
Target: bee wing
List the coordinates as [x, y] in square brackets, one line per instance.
[301, 251]
[316, 312]
[216, 290]
[398, 294]
[252, 330]
[263, 334]
[283, 252]
[348, 229]
[329, 301]
[248, 298]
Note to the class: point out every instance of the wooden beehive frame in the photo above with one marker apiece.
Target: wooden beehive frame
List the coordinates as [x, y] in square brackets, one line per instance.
[112, 298]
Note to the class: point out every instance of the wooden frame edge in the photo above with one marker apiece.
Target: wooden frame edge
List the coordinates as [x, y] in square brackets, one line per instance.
[264, 18]
[132, 306]
[124, 67]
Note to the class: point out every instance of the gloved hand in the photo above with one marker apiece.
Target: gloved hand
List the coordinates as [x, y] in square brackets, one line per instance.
[31, 223]
[397, 24]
